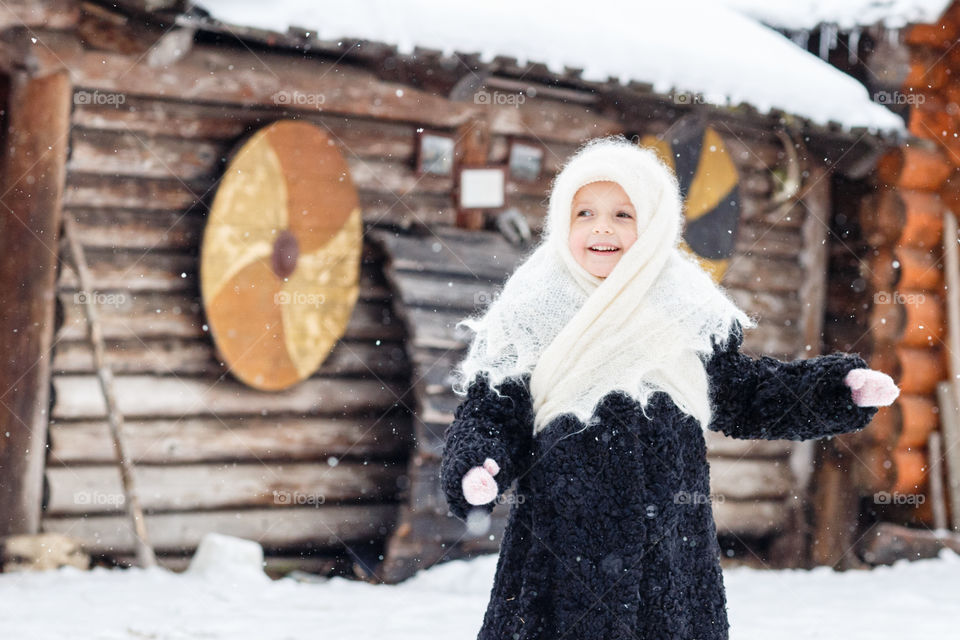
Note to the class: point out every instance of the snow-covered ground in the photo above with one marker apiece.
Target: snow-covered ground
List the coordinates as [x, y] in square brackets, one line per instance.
[908, 600]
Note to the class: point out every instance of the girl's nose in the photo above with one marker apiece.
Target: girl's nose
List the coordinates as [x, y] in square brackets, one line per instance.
[602, 226]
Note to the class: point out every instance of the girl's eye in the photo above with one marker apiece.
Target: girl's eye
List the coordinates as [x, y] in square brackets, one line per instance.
[626, 214]
[583, 211]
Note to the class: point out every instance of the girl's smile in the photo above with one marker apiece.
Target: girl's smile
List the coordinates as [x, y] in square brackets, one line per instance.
[603, 225]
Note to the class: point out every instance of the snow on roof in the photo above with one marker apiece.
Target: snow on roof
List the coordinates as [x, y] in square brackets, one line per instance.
[680, 46]
[794, 15]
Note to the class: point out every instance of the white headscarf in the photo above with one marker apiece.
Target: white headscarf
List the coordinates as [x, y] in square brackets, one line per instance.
[643, 328]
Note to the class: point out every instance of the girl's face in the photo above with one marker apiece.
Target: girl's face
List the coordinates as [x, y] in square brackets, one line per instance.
[603, 225]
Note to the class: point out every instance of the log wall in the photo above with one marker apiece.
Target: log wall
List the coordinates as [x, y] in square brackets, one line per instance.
[145, 152]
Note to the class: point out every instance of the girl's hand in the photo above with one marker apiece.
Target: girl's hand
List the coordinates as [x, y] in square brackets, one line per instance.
[479, 487]
[871, 388]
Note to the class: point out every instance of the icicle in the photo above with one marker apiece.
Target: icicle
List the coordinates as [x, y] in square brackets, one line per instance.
[828, 39]
[853, 45]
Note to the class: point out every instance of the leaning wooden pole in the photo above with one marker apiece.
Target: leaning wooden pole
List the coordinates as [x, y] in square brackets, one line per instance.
[145, 554]
[950, 402]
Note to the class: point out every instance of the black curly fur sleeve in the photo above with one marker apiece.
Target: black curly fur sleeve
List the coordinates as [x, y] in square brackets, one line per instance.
[774, 400]
[486, 425]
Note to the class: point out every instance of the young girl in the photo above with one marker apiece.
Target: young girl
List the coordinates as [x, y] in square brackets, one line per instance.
[589, 381]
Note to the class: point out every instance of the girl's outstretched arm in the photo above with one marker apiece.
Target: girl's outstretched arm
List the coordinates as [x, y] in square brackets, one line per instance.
[798, 400]
[487, 428]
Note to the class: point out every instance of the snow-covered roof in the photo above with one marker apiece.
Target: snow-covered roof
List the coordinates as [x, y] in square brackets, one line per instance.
[794, 15]
[693, 46]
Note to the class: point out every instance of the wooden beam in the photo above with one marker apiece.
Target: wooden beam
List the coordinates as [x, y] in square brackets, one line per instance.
[32, 187]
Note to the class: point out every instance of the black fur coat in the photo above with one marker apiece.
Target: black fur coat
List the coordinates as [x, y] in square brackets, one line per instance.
[611, 533]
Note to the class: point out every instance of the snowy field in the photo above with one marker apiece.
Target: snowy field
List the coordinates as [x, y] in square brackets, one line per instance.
[908, 600]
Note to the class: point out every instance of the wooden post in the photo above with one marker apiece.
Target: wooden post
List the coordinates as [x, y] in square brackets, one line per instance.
[32, 182]
[833, 498]
[950, 402]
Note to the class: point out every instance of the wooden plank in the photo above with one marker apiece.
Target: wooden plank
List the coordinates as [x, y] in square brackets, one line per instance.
[289, 84]
[231, 439]
[327, 527]
[362, 137]
[32, 177]
[484, 255]
[93, 190]
[49, 14]
[751, 517]
[159, 315]
[139, 396]
[721, 446]
[766, 240]
[762, 273]
[276, 566]
[435, 329]
[145, 269]
[107, 228]
[197, 164]
[94, 490]
[348, 357]
[125, 153]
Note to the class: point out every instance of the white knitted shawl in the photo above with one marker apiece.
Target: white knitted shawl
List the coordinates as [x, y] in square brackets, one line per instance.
[646, 327]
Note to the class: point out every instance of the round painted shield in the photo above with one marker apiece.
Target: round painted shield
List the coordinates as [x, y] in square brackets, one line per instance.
[280, 258]
[709, 183]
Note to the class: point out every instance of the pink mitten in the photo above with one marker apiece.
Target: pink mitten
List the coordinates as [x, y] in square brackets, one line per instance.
[479, 487]
[871, 388]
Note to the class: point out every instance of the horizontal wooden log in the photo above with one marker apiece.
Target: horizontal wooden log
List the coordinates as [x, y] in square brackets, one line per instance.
[751, 517]
[773, 307]
[160, 315]
[752, 154]
[919, 269]
[438, 291]
[26, 14]
[98, 489]
[231, 439]
[190, 357]
[93, 190]
[912, 470]
[920, 417]
[882, 216]
[762, 273]
[292, 84]
[887, 543]
[124, 153]
[150, 270]
[483, 255]
[79, 397]
[719, 445]
[920, 167]
[287, 83]
[146, 117]
[920, 369]
[910, 318]
[765, 240]
[757, 210]
[327, 527]
[274, 565]
[133, 229]
[923, 220]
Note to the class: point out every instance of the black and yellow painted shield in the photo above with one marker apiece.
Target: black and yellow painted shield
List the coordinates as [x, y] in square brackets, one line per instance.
[709, 185]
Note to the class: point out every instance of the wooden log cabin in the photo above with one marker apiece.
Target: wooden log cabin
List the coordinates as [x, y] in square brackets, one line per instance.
[123, 118]
[908, 62]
